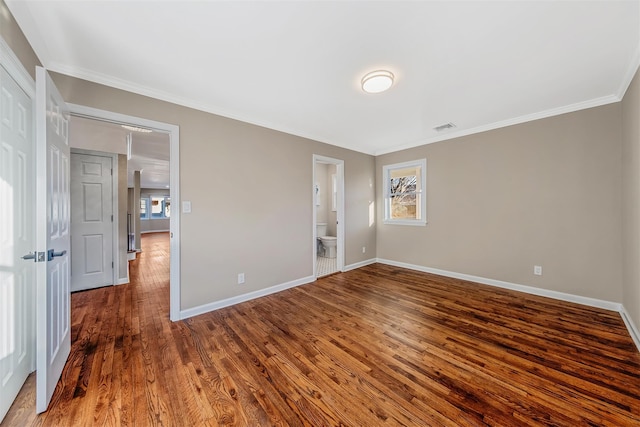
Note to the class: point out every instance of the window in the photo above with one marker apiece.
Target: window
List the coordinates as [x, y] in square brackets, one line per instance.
[144, 210]
[155, 207]
[405, 199]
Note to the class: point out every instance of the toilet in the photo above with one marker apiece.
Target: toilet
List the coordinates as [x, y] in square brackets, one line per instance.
[326, 244]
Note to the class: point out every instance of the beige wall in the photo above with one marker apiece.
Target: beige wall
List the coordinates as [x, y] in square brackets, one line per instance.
[153, 225]
[266, 234]
[211, 147]
[562, 192]
[631, 200]
[12, 34]
[547, 193]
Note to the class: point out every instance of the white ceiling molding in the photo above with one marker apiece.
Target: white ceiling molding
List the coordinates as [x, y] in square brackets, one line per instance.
[510, 122]
[634, 66]
[296, 67]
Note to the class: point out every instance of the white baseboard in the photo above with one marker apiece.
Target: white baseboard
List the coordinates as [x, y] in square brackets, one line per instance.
[124, 280]
[633, 330]
[591, 302]
[216, 305]
[359, 264]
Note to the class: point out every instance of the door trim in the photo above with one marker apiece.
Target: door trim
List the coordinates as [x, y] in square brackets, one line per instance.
[115, 238]
[340, 210]
[12, 64]
[174, 187]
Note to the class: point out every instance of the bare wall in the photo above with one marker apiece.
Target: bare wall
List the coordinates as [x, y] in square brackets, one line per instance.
[16, 40]
[631, 200]
[547, 193]
[266, 234]
[251, 194]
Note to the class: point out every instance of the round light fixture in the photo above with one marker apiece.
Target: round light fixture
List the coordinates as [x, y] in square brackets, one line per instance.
[377, 81]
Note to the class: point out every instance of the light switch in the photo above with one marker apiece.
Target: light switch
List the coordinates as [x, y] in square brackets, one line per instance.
[186, 206]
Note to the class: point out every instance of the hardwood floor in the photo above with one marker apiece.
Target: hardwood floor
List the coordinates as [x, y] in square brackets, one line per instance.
[372, 347]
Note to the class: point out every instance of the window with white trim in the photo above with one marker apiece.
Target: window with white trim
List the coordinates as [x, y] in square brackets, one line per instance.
[155, 207]
[144, 208]
[405, 198]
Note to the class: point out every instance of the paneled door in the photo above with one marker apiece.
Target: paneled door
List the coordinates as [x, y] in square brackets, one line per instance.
[91, 221]
[17, 184]
[52, 221]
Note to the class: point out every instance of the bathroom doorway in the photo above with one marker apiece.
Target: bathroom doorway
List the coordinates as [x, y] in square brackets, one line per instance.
[328, 215]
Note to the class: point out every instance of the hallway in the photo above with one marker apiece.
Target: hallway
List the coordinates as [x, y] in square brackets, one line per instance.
[114, 342]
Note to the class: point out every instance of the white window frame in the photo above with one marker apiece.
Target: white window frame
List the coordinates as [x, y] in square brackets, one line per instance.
[421, 192]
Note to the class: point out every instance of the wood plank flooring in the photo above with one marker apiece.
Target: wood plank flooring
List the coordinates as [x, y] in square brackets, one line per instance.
[377, 346]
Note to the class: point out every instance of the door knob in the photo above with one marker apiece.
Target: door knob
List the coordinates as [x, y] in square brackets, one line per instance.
[51, 254]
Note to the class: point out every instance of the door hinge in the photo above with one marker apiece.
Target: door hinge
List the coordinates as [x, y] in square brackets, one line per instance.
[111, 264]
[111, 218]
[111, 172]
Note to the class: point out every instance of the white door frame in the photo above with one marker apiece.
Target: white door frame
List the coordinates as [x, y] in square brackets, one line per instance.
[318, 159]
[174, 187]
[115, 239]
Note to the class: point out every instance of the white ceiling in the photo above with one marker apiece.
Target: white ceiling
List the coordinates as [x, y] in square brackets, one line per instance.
[295, 66]
[149, 151]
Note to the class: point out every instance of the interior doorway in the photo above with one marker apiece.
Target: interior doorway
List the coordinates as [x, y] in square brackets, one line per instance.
[172, 132]
[328, 215]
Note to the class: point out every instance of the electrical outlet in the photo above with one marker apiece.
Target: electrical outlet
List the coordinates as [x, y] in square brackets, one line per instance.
[240, 278]
[537, 270]
[364, 249]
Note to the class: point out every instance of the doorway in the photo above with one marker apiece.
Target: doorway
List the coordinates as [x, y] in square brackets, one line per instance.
[173, 133]
[328, 215]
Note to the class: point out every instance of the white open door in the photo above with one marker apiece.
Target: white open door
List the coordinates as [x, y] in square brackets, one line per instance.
[52, 236]
[17, 184]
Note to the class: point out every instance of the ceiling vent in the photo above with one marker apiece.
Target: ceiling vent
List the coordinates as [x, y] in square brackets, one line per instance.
[444, 127]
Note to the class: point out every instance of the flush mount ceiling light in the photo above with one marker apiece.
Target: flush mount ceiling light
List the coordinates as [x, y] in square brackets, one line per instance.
[136, 129]
[377, 81]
